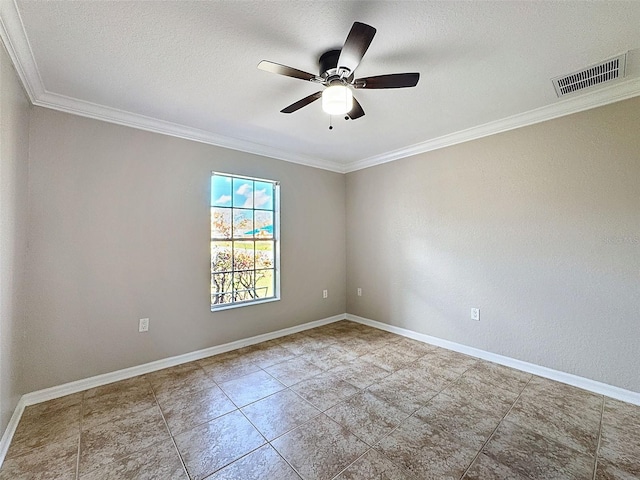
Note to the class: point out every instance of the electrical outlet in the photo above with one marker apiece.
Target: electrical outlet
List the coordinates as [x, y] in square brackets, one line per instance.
[475, 314]
[143, 325]
[359, 292]
[325, 293]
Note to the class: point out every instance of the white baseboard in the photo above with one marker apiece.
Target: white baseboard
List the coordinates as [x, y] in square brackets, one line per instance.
[5, 441]
[568, 378]
[99, 380]
[104, 379]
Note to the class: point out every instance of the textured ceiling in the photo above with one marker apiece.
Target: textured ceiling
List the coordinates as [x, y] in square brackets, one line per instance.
[189, 68]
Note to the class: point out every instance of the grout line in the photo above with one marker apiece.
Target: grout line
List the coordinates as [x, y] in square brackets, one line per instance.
[495, 430]
[359, 457]
[595, 464]
[285, 460]
[268, 442]
[173, 440]
[79, 437]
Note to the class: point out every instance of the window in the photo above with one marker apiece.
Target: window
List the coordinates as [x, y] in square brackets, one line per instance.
[244, 241]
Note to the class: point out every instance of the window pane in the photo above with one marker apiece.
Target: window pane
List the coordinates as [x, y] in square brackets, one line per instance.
[221, 284]
[244, 286]
[220, 222]
[263, 224]
[242, 193]
[264, 254]
[243, 256]
[221, 191]
[221, 257]
[263, 195]
[264, 283]
[242, 223]
[243, 246]
[221, 298]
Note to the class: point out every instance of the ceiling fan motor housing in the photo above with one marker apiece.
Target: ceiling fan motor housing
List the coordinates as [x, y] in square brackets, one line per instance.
[329, 62]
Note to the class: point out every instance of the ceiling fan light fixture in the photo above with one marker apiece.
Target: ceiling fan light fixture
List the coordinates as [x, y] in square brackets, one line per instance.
[337, 100]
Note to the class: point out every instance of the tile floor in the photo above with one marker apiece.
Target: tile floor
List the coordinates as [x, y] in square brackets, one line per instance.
[343, 401]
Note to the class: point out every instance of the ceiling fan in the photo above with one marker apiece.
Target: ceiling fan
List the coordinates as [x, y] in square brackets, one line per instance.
[337, 75]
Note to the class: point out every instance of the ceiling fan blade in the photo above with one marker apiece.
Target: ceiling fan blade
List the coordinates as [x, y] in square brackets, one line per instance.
[284, 70]
[356, 111]
[302, 103]
[356, 45]
[395, 80]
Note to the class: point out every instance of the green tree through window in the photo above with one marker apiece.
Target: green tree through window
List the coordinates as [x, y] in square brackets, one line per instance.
[244, 236]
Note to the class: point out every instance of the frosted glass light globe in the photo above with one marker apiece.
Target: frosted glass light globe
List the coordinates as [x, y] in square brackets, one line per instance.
[337, 100]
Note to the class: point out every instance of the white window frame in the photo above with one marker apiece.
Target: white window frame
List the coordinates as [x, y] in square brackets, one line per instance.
[276, 244]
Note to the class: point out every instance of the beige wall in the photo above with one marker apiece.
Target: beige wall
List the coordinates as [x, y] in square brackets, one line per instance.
[119, 228]
[538, 227]
[14, 148]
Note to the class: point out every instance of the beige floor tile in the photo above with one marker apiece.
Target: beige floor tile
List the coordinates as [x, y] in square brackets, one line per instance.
[45, 411]
[621, 415]
[186, 411]
[426, 452]
[375, 335]
[47, 423]
[608, 471]
[515, 452]
[293, 371]
[367, 416]
[430, 372]
[472, 390]
[159, 461]
[279, 413]
[265, 356]
[261, 464]
[227, 366]
[360, 373]
[213, 445]
[390, 357]
[184, 379]
[103, 404]
[329, 357]
[473, 422]
[299, 343]
[414, 346]
[449, 360]
[357, 346]
[374, 466]
[621, 447]
[250, 388]
[53, 461]
[319, 449]
[325, 390]
[426, 410]
[323, 333]
[403, 389]
[114, 440]
[499, 376]
[571, 425]
[562, 396]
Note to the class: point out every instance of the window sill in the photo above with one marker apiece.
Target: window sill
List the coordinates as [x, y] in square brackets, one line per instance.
[243, 304]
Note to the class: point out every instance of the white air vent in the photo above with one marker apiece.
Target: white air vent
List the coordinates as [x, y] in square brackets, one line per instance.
[608, 71]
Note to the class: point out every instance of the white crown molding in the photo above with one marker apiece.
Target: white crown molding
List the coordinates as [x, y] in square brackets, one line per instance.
[83, 108]
[104, 379]
[568, 378]
[17, 44]
[15, 41]
[596, 98]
